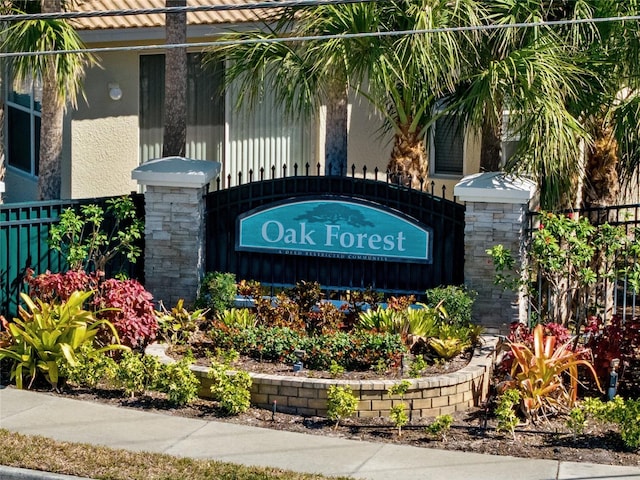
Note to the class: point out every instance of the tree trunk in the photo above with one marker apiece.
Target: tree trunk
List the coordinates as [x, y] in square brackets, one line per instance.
[601, 185]
[52, 116]
[335, 142]
[491, 148]
[175, 98]
[408, 164]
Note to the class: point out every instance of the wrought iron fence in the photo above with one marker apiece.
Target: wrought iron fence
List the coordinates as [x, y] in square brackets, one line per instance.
[613, 288]
[257, 189]
[24, 234]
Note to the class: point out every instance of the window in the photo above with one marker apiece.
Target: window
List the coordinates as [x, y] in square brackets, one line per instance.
[509, 141]
[243, 140]
[446, 150]
[23, 126]
[205, 109]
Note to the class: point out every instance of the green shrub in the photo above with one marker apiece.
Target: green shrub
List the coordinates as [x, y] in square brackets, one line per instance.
[178, 382]
[625, 413]
[178, 325]
[231, 389]
[418, 364]
[440, 426]
[506, 411]
[136, 373]
[397, 413]
[85, 242]
[217, 292]
[341, 403]
[456, 300]
[91, 369]
[577, 421]
[51, 333]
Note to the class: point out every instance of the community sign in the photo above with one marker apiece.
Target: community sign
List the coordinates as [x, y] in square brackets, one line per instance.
[334, 227]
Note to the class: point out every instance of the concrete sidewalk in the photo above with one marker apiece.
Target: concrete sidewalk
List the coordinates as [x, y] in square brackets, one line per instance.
[87, 422]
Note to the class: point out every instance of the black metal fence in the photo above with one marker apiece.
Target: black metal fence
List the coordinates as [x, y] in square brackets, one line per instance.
[445, 217]
[614, 290]
[24, 234]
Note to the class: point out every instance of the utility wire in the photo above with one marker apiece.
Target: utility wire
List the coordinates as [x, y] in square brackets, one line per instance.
[218, 43]
[164, 10]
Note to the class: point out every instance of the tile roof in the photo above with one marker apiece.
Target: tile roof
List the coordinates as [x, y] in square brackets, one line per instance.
[157, 19]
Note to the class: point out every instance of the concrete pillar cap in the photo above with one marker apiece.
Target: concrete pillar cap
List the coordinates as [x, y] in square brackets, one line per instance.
[176, 172]
[495, 187]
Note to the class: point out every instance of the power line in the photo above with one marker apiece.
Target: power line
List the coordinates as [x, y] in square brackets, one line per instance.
[269, 4]
[216, 43]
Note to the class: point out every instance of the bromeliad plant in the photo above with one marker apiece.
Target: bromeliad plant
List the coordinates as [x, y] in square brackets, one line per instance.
[51, 333]
[538, 373]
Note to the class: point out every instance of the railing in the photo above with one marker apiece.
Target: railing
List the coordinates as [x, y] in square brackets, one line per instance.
[258, 189]
[614, 290]
[24, 234]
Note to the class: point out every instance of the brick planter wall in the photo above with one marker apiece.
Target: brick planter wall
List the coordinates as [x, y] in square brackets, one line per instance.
[427, 397]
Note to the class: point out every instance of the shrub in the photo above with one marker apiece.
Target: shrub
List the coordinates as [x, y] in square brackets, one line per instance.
[51, 333]
[456, 300]
[91, 369]
[85, 240]
[136, 373]
[625, 413]
[237, 317]
[440, 426]
[506, 411]
[178, 325]
[129, 307]
[178, 382]
[231, 389]
[217, 292]
[397, 413]
[125, 303]
[341, 403]
[538, 371]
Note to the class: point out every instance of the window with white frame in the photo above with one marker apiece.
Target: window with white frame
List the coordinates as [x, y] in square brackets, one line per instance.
[446, 146]
[244, 140]
[23, 126]
[509, 140]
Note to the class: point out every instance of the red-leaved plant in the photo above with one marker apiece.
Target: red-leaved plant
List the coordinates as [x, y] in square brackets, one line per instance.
[125, 303]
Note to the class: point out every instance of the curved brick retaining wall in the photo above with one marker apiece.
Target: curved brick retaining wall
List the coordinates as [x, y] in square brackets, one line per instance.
[427, 396]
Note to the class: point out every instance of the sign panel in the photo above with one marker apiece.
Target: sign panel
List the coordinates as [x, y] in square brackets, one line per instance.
[334, 227]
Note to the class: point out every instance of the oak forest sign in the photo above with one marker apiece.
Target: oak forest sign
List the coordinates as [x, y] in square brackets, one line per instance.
[334, 227]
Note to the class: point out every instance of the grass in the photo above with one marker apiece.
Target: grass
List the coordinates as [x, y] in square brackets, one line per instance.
[38, 453]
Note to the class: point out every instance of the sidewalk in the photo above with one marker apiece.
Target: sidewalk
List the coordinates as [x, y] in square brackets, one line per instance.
[87, 422]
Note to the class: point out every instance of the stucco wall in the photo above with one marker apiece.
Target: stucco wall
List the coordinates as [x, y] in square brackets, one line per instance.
[104, 133]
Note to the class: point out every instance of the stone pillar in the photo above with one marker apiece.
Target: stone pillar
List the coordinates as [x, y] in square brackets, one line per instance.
[174, 199]
[496, 207]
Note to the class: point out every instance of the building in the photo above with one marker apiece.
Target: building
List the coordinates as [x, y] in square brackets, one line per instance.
[119, 124]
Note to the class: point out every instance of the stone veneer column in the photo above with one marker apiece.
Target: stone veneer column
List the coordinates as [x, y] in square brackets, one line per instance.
[174, 199]
[496, 207]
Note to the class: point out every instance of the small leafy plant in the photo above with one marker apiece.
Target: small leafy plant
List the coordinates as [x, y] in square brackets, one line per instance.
[178, 325]
[576, 421]
[417, 366]
[231, 389]
[440, 426]
[506, 411]
[341, 403]
[625, 413]
[397, 413]
[86, 240]
[217, 292]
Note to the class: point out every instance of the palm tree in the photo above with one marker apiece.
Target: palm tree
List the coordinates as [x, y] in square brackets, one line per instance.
[562, 86]
[402, 76]
[302, 76]
[61, 77]
[175, 108]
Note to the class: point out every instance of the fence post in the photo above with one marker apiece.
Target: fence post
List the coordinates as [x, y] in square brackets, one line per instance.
[496, 208]
[174, 257]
